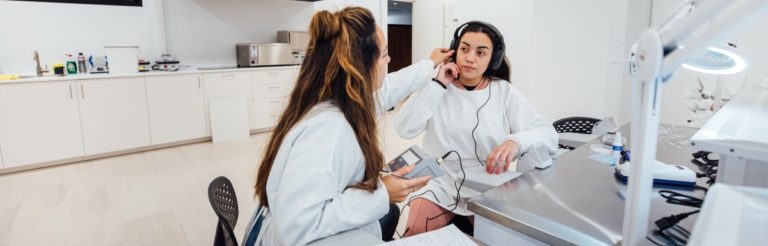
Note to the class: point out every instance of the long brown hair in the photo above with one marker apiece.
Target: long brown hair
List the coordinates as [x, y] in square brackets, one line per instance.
[339, 67]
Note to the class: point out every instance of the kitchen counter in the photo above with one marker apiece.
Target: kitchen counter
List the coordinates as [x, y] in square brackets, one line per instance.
[188, 70]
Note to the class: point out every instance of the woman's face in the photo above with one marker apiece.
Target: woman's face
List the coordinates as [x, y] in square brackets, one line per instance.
[383, 60]
[474, 55]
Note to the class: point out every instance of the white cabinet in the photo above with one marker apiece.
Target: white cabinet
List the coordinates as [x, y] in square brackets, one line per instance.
[114, 114]
[271, 89]
[176, 108]
[39, 122]
[226, 85]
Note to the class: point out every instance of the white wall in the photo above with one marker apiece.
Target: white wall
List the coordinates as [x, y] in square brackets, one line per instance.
[638, 20]
[205, 32]
[432, 20]
[561, 51]
[377, 7]
[55, 29]
[753, 41]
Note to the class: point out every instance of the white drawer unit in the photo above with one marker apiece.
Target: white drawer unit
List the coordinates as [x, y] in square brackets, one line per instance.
[266, 91]
[227, 84]
[273, 76]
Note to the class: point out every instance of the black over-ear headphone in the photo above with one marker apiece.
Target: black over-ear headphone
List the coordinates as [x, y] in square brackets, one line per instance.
[497, 57]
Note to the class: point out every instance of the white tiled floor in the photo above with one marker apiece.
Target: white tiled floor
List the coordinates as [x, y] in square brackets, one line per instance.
[151, 198]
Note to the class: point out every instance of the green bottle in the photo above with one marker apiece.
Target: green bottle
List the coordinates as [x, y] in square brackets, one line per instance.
[71, 64]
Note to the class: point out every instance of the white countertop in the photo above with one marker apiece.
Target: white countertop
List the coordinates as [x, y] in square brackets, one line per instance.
[187, 70]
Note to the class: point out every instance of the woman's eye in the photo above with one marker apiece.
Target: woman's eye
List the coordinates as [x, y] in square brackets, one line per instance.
[464, 49]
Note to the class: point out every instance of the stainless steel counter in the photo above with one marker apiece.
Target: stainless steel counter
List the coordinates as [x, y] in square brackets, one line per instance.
[580, 201]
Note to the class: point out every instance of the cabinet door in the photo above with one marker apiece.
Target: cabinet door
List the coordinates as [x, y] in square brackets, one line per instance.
[39, 122]
[176, 109]
[114, 114]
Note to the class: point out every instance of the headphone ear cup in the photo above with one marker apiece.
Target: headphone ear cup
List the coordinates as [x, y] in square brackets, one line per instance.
[496, 60]
[454, 46]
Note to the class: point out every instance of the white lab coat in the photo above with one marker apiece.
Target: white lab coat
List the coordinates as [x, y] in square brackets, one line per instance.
[708, 93]
[447, 116]
[317, 161]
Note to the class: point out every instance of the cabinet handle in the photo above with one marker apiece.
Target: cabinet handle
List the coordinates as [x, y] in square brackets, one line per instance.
[273, 87]
[71, 96]
[82, 91]
[199, 83]
[228, 76]
[275, 101]
[272, 73]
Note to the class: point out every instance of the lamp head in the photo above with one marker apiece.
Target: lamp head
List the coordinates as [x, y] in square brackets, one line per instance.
[718, 60]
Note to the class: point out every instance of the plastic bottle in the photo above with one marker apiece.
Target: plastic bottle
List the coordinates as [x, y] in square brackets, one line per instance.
[71, 65]
[81, 67]
[616, 148]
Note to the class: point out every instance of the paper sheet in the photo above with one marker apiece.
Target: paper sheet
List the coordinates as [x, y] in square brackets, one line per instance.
[446, 236]
[480, 180]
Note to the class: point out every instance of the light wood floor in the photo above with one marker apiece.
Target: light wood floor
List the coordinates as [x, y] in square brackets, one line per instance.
[151, 198]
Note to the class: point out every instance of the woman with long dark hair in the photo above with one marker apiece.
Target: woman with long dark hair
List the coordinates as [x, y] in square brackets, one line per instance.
[479, 114]
[320, 174]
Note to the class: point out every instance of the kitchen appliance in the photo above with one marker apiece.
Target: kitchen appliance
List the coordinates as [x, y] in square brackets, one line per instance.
[98, 64]
[144, 65]
[167, 63]
[298, 41]
[251, 55]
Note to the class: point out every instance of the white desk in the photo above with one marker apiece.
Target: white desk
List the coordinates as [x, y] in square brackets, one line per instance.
[575, 139]
[577, 201]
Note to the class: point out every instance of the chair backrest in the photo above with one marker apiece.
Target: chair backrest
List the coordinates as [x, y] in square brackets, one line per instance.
[222, 196]
[575, 124]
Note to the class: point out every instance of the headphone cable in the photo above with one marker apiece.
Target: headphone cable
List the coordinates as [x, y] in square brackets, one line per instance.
[477, 115]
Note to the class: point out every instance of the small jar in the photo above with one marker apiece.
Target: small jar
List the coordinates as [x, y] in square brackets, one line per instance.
[58, 69]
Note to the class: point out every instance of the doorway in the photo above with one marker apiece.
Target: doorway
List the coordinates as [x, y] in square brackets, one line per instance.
[399, 29]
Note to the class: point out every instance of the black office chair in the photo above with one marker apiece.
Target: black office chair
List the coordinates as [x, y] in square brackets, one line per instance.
[222, 196]
[576, 125]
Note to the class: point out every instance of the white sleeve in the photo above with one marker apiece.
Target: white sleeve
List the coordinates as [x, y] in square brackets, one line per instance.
[309, 204]
[400, 84]
[418, 110]
[527, 125]
[692, 96]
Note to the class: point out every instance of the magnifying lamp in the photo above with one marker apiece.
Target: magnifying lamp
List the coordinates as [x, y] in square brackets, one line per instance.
[718, 60]
[699, 24]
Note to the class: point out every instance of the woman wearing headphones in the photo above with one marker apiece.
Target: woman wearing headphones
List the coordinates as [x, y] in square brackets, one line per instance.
[479, 114]
[320, 174]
